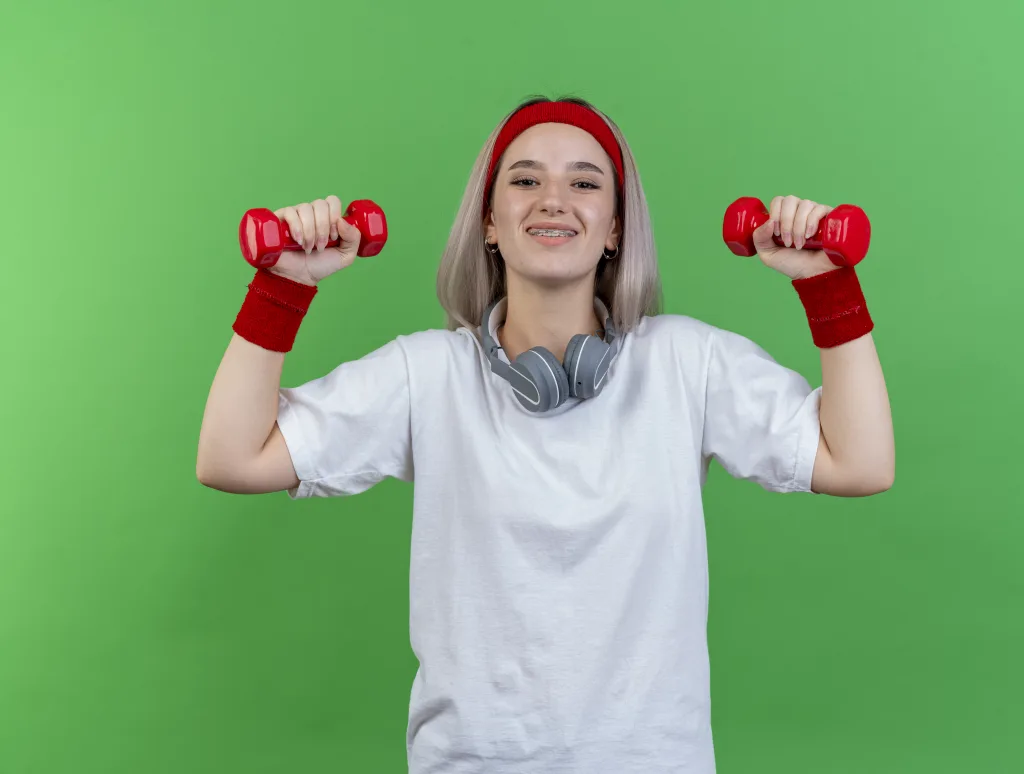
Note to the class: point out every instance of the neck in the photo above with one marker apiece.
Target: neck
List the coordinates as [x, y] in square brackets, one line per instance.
[547, 317]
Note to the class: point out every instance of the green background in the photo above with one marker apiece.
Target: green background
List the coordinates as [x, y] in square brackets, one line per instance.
[148, 624]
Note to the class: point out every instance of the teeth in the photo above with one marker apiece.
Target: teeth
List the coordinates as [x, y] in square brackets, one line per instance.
[552, 232]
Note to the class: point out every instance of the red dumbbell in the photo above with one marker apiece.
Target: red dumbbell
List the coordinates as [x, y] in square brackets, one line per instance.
[844, 234]
[263, 236]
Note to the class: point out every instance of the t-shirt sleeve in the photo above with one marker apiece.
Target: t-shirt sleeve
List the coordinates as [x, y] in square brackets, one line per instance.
[761, 420]
[350, 428]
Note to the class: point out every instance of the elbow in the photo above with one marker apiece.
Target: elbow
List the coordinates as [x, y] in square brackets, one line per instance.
[888, 480]
[211, 466]
[886, 475]
[859, 483]
[207, 473]
[203, 474]
[881, 484]
[878, 482]
[213, 479]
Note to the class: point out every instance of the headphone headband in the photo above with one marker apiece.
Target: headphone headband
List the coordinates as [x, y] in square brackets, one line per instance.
[542, 382]
[491, 346]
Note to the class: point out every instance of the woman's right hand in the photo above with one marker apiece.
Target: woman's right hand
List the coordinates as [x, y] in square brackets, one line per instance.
[312, 225]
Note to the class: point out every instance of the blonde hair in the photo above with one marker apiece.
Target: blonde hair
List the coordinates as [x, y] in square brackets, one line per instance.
[469, 278]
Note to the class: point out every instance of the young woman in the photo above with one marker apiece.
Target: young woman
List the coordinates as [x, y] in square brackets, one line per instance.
[559, 432]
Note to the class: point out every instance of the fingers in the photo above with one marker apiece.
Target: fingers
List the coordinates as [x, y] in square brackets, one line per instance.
[796, 220]
[334, 208]
[801, 218]
[350, 235]
[321, 224]
[787, 212]
[774, 213]
[290, 215]
[307, 222]
[762, 236]
[817, 212]
[313, 224]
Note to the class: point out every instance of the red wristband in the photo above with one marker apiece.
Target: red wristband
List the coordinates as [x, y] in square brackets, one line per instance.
[272, 311]
[835, 306]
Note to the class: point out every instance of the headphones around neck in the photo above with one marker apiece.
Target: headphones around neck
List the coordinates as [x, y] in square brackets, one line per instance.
[540, 382]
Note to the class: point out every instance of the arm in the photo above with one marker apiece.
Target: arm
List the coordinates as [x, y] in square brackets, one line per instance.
[856, 452]
[241, 449]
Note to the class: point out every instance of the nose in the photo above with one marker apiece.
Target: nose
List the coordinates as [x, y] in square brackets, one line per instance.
[552, 200]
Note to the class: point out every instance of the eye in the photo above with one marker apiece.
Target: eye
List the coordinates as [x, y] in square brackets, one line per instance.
[529, 182]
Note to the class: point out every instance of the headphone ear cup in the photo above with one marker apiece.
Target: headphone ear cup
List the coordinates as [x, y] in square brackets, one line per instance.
[586, 365]
[539, 380]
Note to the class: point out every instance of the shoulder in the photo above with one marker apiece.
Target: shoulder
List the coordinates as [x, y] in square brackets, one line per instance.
[673, 326]
[434, 341]
[689, 334]
[695, 348]
[435, 346]
[683, 336]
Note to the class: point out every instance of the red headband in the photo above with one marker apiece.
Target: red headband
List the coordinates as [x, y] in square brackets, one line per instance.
[556, 113]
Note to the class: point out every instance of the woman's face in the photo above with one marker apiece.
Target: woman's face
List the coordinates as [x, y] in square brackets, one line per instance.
[553, 205]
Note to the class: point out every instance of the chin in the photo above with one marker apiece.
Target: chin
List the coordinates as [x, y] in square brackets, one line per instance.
[554, 277]
[550, 268]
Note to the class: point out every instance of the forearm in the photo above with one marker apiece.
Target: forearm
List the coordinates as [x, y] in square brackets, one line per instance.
[856, 420]
[241, 408]
[856, 452]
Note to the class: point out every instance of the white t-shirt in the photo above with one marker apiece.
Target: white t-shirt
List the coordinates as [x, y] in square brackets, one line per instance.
[559, 578]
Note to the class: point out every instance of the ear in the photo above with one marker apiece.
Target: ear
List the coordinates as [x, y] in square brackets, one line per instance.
[615, 234]
[490, 230]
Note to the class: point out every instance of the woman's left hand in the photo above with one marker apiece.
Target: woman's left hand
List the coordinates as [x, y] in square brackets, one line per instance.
[795, 220]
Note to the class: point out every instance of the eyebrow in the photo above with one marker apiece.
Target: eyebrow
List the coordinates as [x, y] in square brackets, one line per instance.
[575, 166]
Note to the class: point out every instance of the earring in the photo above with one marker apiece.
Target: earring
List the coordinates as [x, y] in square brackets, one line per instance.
[608, 257]
[492, 248]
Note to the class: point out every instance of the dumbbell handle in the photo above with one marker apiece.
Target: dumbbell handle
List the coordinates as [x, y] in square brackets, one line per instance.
[844, 234]
[262, 236]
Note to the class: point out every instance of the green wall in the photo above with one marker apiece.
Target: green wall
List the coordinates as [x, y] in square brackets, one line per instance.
[148, 624]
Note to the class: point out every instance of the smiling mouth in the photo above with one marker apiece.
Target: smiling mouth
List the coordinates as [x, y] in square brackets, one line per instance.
[551, 232]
